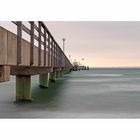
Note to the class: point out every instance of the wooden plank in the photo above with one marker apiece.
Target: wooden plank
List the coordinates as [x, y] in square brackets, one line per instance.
[19, 41]
[32, 44]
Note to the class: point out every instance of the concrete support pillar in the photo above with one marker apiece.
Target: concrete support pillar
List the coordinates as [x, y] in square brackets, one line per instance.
[61, 73]
[58, 74]
[23, 88]
[66, 71]
[53, 76]
[44, 80]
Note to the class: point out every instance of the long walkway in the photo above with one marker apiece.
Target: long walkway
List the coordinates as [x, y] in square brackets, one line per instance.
[40, 55]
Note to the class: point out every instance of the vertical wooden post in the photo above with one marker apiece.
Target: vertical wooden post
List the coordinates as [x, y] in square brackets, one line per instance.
[52, 53]
[32, 44]
[39, 44]
[45, 46]
[19, 41]
[56, 56]
[49, 50]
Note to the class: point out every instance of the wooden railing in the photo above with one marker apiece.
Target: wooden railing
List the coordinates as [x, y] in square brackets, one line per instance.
[56, 57]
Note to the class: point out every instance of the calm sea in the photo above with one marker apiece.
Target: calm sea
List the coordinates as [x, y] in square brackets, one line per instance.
[97, 93]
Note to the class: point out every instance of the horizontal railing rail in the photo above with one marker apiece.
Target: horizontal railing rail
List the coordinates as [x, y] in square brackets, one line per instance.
[52, 51]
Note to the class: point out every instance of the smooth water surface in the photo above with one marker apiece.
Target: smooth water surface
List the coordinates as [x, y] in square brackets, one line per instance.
[97, 93]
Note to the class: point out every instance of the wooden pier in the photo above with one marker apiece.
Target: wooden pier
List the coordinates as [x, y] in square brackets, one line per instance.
[24, 58]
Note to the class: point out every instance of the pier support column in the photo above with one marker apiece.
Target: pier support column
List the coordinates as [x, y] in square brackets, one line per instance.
[61, 72]
[65, 71]
[58, 74]
[44, 80]
[23, 88]
[53, 76]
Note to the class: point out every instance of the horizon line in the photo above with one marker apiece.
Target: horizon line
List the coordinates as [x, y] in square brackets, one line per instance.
[118, 67]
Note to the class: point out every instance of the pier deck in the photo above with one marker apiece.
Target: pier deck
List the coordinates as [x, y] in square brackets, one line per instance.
[41, 55]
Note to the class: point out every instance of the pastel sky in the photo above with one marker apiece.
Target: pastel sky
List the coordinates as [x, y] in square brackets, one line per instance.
[101, 44]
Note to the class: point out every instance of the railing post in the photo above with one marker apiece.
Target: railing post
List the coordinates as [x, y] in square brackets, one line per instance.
[19, 41]
[48, 50]
[39, 44]
[32, 44]
[54, 54]
[45, 46]
[51, 53]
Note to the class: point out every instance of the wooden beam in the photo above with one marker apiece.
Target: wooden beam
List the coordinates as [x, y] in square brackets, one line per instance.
[16, 70]
[19, 41]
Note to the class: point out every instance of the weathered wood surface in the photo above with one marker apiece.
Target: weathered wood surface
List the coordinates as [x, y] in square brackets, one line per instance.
[4, 73]
[8, 49]
[21, 57]
[3, 46]
[22, 70]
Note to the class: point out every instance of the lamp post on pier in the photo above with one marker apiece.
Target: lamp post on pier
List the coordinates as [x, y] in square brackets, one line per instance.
[64, 44]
